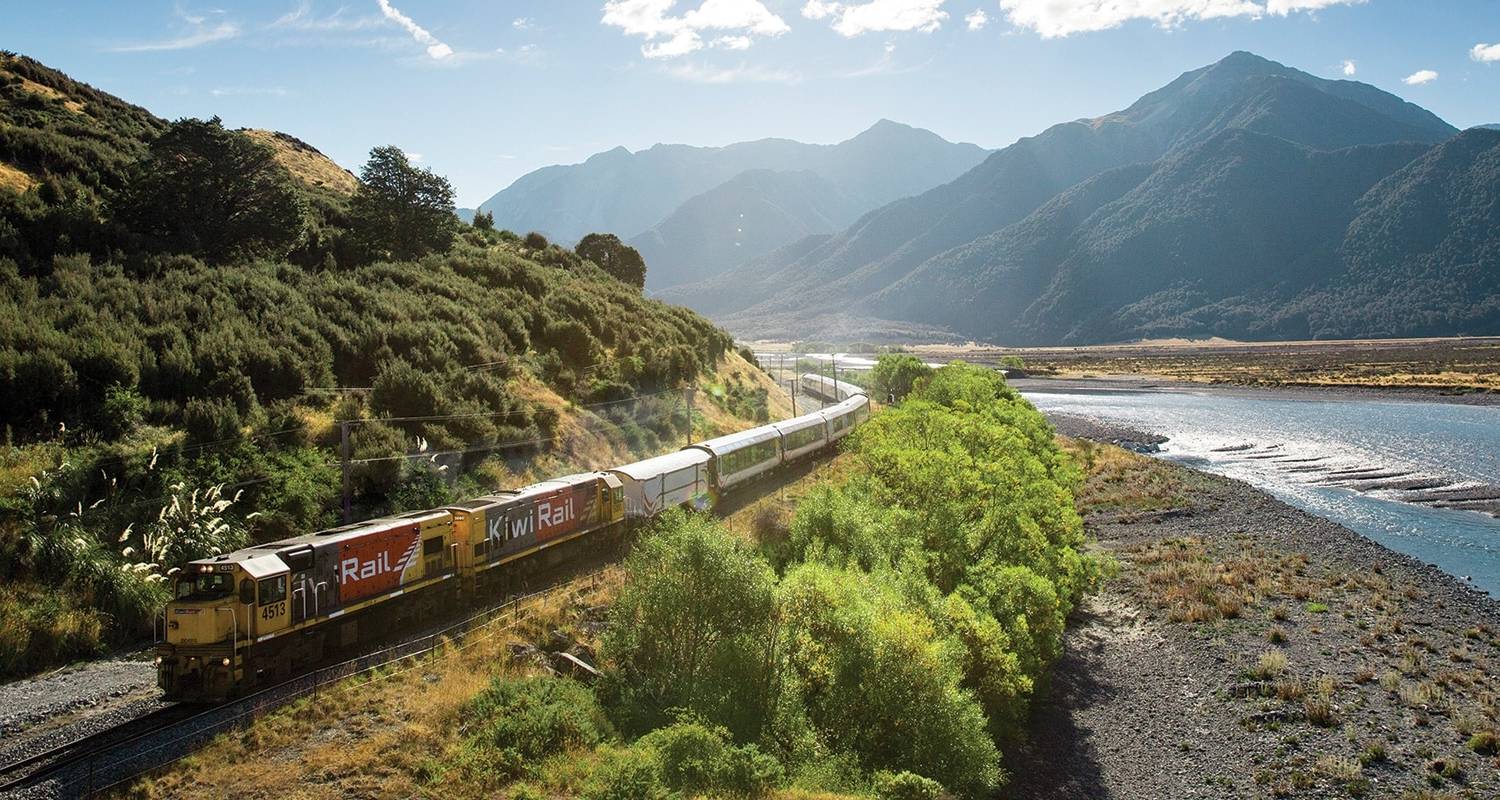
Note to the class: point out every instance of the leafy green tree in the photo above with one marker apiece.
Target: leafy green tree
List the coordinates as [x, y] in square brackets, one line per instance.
[895, 375]
[694, 629]
[216, 194]
[401, 212]
[484, 220]
[615, 257]
[879, 680]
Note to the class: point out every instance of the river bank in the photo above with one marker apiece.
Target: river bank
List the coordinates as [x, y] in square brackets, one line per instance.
[1249, 649]
[1148, 383]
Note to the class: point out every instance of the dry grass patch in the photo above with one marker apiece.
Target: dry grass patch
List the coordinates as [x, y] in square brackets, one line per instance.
[1116, 479]
[1182, 578]
[13, 179]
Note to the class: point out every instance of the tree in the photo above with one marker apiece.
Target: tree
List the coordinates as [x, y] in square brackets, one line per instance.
[895, 375]
[693, 629]
[214, 193]
[484, 220]
[401, 212]
[615, 257]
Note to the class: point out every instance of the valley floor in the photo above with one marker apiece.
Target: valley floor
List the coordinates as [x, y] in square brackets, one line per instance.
[1453, 369]
[1248, 649]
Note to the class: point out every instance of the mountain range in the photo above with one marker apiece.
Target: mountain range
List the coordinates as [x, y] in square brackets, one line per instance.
[696, 211]
[1244, 199]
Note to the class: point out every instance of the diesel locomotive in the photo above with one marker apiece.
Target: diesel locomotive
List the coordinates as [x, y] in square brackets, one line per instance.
[259, 615]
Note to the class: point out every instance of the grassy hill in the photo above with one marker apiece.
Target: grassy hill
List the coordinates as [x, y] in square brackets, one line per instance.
[158, 406]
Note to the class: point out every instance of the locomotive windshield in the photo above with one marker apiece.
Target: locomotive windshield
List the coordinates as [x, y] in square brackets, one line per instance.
[210, 586]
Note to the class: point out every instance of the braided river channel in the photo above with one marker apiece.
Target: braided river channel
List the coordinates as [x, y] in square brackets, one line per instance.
[1422, 478]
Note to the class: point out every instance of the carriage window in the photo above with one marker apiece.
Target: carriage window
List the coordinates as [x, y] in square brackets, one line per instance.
[273, 590]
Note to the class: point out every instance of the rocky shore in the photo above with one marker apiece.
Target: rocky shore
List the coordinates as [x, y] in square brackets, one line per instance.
[1248, 649]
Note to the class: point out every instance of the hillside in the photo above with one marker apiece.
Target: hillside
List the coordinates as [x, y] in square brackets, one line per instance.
[629, 193]
[187, 313]
[956, 257]
[1210, 239]
[743, 218]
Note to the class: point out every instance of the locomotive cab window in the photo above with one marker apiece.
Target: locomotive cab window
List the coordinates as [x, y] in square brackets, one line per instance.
[433, 546]
[207, 586]
[273, 590]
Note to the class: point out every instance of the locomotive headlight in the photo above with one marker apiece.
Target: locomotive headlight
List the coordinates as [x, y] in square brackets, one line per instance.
[158, 661]
[226, 662]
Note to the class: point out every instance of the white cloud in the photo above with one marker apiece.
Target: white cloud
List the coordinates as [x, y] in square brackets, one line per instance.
[304, 18]
[670, 36]
[977, 19]
[1053, 18]
[198, 33]
[523, 23]
[1348, 68]
[853, 19]
[1420, 77]
[1485, 52]
[702, 73]
[1285, 7]
[435, 49]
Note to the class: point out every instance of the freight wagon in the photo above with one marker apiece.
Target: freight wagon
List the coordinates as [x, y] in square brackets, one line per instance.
[261, 614]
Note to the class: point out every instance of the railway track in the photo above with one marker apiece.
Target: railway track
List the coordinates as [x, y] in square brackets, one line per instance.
[37, 766]
[112, 757]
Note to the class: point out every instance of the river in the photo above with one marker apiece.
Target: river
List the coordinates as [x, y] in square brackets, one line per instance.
[1293, 447]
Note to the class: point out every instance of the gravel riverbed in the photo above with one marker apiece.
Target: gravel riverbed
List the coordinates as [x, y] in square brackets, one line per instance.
[1321, 665]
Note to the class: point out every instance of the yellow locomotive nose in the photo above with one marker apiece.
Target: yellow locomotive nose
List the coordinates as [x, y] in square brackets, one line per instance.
[204, 628]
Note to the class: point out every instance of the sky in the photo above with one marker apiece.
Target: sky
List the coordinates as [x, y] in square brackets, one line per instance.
[484, 92]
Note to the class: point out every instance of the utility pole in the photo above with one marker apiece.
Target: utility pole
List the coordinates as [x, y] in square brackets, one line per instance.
[796, 379]
[344, 448]
[688, 395]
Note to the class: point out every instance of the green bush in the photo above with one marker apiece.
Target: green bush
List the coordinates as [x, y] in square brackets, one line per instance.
[521, 721]
[692, 629]
[906, 786]
[627, 773]
[894, 376]
[878, 680]
[697, 759]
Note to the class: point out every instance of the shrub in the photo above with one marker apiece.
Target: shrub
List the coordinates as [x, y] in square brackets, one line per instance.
[525, 720]
[123, 411]
[877, 679]
[692, 629]
[627, 773]
[894, 376]
[697, 759]
[211, 420]
[906, 786]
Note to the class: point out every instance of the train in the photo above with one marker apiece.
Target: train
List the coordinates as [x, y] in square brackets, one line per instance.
[828, 388]
[260, 615]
